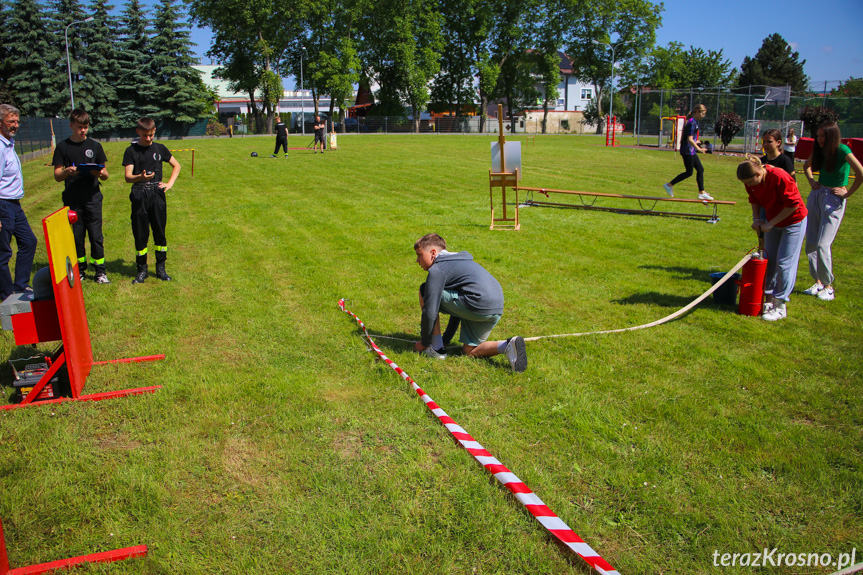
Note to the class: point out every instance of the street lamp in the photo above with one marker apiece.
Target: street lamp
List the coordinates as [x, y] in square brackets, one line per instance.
[68, 62]
[302, 93]
[611, 95]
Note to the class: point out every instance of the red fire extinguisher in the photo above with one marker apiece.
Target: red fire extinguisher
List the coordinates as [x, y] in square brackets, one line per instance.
[752, 281]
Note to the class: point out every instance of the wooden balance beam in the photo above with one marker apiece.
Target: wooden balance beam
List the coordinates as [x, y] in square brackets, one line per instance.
[711, 218]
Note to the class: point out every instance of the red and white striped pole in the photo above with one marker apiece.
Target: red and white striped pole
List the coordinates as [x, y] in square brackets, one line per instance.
[507, 478]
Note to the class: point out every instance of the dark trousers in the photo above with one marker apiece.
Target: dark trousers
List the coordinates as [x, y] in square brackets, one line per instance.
[690, 162]
[15, 224]
[281, 142]
[89, 210]
[149, 210]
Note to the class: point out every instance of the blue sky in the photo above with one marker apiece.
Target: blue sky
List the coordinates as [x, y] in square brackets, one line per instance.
[826, 33]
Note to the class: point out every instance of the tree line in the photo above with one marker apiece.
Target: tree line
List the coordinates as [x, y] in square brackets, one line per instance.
[438, 55]
[123, 67]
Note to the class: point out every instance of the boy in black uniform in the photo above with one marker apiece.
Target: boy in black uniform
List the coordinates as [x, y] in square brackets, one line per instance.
[73, 164]
[143, 164]
[281, 138]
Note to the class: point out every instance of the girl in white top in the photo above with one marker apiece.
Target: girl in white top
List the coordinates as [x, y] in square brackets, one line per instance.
[790, 145]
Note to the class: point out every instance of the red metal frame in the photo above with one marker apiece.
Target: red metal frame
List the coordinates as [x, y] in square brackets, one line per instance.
[69, 312]
[103, 557]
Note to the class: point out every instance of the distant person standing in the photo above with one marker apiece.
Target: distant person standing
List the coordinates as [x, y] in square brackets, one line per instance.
[771, 143]
[320, 129]
[81, 192]
[13, 221]
[689, 147]
[790, 145]
[281, 138]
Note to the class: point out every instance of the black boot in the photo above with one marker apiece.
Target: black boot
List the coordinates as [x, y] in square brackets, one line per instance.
[141, 275]
[161, 273]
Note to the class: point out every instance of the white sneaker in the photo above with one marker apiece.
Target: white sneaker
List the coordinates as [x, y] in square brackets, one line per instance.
[765, 309]
[432, 352]
[814, 289]
[516, 354]
[826, 294]
[705, 196]
[776, 312]
[668, 189]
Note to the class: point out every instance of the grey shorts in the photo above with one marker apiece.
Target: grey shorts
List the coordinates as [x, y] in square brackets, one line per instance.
[475, 327]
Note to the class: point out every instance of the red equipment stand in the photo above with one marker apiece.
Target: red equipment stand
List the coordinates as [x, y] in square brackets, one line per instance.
[612, 127]
[44, 320]
[104, 557]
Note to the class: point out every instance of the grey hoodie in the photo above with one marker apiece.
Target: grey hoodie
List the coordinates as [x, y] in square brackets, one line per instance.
[457, 272]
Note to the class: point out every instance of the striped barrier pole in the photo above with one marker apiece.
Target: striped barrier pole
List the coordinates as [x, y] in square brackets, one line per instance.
[546, 517]
[193, 158]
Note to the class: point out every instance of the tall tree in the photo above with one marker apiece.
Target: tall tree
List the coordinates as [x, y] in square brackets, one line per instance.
[136, 86]
[96, 91]
[630, 25]
[250, 39]
[67, 19]
[401, 47]
[674, 67]
[462, 30]
[775, 64]
[5, 64]
[551, 26]
[179, 88]
[331, 62]
[28, 49]
[850, 88]
[512, 38]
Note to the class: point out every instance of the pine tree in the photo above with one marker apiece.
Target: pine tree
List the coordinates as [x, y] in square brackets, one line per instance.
[136, 87]
[5, 64]
[180, 90]
[58, 101]
[774, 65]
[28, 51]
[100, 72]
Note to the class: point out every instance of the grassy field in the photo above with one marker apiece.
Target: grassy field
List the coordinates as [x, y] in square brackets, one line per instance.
[279, 444]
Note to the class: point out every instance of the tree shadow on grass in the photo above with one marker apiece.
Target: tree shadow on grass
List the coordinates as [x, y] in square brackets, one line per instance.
[686, 273]
[668, 300]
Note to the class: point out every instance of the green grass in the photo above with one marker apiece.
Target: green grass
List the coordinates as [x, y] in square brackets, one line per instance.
[279, 444]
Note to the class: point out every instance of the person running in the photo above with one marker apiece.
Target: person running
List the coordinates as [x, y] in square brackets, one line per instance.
[689, 147]
[826, 203]
[779, 212]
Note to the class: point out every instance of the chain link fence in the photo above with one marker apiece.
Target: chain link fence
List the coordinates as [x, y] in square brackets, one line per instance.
[34, 135]
[647, 108]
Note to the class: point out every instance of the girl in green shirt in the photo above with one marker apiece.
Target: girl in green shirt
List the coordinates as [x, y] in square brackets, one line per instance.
[826, 203]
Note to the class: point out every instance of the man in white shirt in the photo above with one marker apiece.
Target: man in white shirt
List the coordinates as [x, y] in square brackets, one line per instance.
[13, 221]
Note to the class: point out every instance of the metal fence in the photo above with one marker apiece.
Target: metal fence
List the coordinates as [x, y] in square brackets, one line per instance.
[527, 124]
[34, 134]
[647, 107]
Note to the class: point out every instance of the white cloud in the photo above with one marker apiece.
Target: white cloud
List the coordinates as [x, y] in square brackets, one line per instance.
[827, 49]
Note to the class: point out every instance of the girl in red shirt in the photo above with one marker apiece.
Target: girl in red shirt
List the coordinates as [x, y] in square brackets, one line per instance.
[778, 210]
